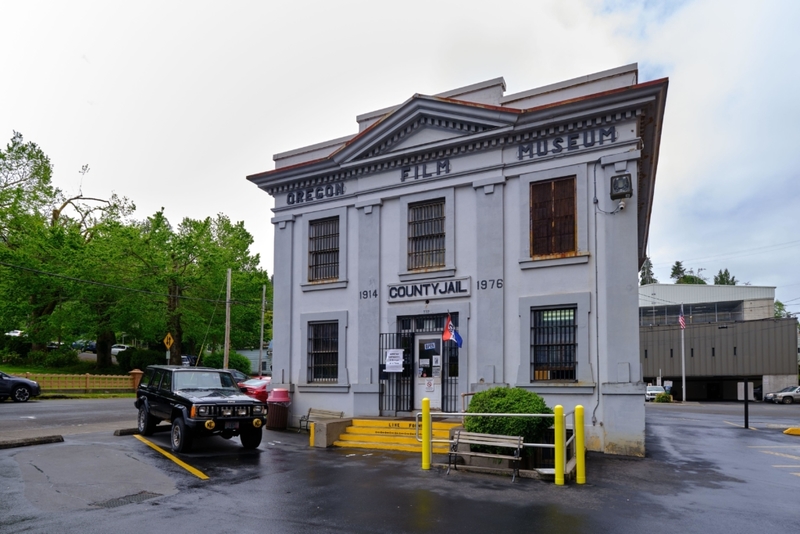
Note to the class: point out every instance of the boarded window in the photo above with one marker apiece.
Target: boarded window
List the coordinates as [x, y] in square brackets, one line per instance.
[323, 249]
[426, 235]
[323, 352]
[553, 344]
[552, 229]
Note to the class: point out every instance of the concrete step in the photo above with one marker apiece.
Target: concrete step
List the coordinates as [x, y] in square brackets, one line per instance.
[417, 448]
[402, 432]
[392, 434]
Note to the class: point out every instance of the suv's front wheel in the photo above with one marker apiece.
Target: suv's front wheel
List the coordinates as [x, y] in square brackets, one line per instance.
[180, 438]
[251, 438]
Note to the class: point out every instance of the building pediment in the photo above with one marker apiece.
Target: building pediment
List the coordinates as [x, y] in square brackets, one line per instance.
[424, 122]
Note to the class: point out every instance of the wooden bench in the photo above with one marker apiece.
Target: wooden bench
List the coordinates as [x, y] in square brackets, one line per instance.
[462, 437]
[314, 414]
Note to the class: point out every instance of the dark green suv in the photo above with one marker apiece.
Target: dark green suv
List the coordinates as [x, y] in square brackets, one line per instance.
[198, 401]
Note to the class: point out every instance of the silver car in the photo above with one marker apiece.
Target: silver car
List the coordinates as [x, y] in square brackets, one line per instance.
[787, 395]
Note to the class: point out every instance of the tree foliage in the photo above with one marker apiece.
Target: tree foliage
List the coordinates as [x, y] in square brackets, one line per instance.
[646, 275]
[724, 278]
[76, 266]
[681, 275]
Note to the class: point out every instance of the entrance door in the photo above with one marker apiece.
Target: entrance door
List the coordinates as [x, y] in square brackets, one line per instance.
[428, 370]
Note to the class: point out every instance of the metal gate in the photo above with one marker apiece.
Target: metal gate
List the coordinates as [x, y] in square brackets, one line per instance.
[397, 389]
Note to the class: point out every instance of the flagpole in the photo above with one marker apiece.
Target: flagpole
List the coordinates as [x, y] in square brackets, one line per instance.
[683, 356]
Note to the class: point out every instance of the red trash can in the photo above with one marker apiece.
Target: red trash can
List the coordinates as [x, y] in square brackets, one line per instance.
[278, 409]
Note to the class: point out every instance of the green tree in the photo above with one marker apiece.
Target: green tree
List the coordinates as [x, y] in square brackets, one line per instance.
[188, 266]
[677, 272]
[724, 278]
[646, 275]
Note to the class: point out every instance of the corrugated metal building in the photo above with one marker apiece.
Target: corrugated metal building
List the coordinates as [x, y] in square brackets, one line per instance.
[731, 335]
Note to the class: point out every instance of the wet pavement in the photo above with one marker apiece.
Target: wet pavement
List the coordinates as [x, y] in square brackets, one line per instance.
[703, 473]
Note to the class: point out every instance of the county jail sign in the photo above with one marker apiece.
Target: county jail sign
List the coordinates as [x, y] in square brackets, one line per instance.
[431, 289]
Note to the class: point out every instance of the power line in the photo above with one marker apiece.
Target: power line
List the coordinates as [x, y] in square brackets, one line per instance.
[123, 288]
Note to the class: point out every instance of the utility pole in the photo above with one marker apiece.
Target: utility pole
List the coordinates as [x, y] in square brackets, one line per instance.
[263, 311]
[226, 349]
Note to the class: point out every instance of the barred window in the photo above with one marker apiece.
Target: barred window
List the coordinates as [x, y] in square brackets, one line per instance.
[426, 235]
[553, 216]
[323, 352]
[323, 249]
[553, 344]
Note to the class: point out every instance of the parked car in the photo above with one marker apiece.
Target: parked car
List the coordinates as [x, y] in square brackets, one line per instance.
[15, 333]
[53, 345]
[18, 388]
[116, 349]
[239, 376]
[652, 392]
[787, 395]
[198, 401]
[257, 387]
[84, 345]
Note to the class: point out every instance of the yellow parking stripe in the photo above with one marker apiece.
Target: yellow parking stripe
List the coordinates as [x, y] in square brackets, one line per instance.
[196, 472]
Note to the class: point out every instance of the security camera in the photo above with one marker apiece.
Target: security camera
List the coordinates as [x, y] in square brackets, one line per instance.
[621, 205]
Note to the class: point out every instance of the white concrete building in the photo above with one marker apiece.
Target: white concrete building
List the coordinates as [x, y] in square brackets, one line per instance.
[523, 216]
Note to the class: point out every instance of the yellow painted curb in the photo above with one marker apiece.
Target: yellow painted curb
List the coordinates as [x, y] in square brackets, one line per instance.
[794, 431]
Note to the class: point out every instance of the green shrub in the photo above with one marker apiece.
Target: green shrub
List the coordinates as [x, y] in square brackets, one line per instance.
[61, 358]
[18, 344]
[235, 361]
[509, 400]
[9, 357]
[37, 358]
[662, 397]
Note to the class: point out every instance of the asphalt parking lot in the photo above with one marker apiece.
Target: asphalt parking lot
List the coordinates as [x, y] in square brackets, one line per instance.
[703, 472]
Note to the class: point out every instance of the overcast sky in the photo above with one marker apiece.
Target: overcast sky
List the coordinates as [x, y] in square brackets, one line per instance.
[172, 104]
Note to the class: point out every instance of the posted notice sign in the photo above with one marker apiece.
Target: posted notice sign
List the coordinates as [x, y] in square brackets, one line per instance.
[394, 361]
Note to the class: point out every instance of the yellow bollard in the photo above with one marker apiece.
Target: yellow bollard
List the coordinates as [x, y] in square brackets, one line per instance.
[311, 435]
[560, 444]
[580, 449]
[426, 433]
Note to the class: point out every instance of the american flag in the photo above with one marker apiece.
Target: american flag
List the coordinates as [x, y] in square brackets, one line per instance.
[681, 320]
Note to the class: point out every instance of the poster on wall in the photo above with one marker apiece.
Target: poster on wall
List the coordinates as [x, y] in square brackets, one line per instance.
[429, 385]
[394, 361]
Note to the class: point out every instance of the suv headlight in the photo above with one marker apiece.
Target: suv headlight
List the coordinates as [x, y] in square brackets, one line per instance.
[242, 411]
[258, 409]
[202, 410]
[227, 411]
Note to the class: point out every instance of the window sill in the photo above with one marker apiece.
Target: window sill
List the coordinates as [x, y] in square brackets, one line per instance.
[581, 257]
[320, 388]
[410, 276]
[318, 286]
[556, 387]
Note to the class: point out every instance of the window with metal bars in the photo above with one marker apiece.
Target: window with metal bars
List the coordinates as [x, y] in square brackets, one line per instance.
[553, 217]
[426, 235]
[323, 352]
[553, 344]
[323, 249]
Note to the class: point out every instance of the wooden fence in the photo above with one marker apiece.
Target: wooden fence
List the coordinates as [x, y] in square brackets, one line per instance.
[87, 383]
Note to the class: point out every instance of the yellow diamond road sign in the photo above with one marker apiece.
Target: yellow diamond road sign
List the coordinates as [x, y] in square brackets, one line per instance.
[168, 341]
